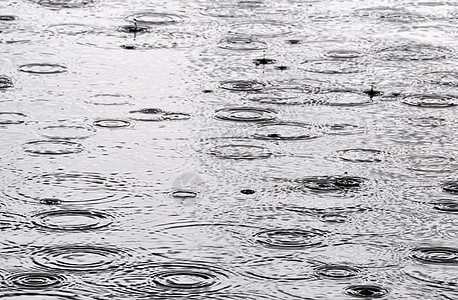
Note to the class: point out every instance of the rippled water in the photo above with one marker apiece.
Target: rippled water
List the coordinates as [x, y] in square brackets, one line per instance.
[228, 149]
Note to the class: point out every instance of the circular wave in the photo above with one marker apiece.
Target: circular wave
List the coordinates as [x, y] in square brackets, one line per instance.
[245, 114]
[68, 188]
[290, 238]
[286, 131]
[52, 147]
[35, 280]
[337, 271]
[12, 118]
[430, 101]
[242, 85]
[240, 151]
[72, 220]
[43, 68]
[111, 123]
[436, 255]
[366, 291]
[241, 43]
[80, 258]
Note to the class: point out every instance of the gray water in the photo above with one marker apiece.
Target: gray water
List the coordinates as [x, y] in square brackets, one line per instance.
[220, 149]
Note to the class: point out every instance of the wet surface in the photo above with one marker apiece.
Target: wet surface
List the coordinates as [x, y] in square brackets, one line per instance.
[248, 149]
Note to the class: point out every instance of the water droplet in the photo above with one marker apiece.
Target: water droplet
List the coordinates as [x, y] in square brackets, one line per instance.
[331, 183]
[343, 54]
[57, 4]
[241, 43]
[7, 18]
[290, 238]
[242, 85]
[247, 192]
[245, 114]
[451, 187]
[240, 151]
[184, 194]
[52, 147]
[35, 280]
[71, 220]
[337, 271]
[43, 68]
[366, 291]
[5, 82]
[446, 205]
[430, 101]
[111, 123]
[436, 255]
[154, 18]
[85, 258]
[68, 188]
[133, 28]
[264, 61]
[12, 118]
[286, 131]
[169, 280]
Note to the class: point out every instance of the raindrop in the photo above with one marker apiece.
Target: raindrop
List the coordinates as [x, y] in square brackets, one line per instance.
[264, 61]
[5, 82]
[133, 28]
[361, 155]
[286, 131]
[36, 280]
[50, 201]
[451, 187]
[66, 3]
[430, 101]
[52, 147]
[71, 220]
[331, 183]
[337, 271]
[333, 218]
[343, 54]
[156, 115]
[413, 53]
[242, 85]
[66, 132]
[43, 68]
[366, 291]
[331, 66]
[84, 258]
[446, 205]
[154, 18]
[184, 194]
[290, 238]
[68, 188]
[344, 129]
[12, 118]
[436, 255]
[240, 151]
[245, 114]
[247, 192]
[7, 18]
[112, 123]
[170, 280]
[241, 43]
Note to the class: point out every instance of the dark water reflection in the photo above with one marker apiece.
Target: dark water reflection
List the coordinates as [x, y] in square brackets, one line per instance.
[228, 149]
